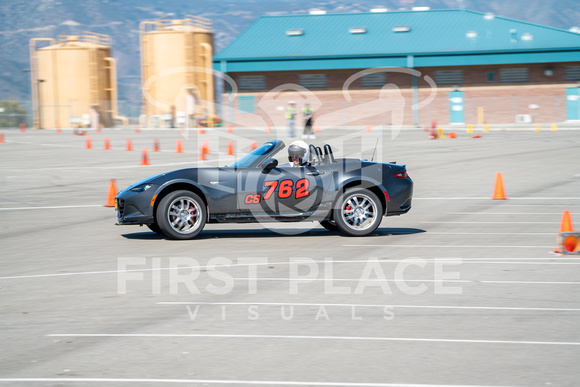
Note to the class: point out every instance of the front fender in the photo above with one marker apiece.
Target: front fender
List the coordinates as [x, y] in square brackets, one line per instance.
[177, 184]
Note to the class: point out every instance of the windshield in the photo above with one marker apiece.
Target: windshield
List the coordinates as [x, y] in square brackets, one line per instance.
[255, 157]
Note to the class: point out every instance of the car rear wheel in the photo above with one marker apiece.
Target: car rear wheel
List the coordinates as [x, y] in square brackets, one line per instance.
[181, 215]
[358, 212]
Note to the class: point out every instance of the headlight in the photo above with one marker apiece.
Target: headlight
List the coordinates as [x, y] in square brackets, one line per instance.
[141, 188]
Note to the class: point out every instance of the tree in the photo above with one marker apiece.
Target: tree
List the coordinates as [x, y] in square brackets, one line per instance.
[12, 114]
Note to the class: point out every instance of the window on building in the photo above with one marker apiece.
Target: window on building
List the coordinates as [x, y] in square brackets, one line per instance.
[573, 73]
[254, 82]
[312, 81]
[450, 78]
[520, 75]
[491, 76]
[247, 104]
[375, 80]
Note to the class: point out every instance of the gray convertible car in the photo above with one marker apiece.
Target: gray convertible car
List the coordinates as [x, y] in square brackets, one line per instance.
[348, 195]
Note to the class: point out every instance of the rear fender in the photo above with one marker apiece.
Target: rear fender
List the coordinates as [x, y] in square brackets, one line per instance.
[370, 184]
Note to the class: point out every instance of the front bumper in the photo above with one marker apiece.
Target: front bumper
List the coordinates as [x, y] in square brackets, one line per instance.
[134, 208]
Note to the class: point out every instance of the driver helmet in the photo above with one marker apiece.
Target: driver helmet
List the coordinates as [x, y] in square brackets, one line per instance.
[299, 149]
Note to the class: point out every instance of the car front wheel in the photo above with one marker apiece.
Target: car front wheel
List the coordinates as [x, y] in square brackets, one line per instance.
[155, 228]
[358, 212]
[181, 215]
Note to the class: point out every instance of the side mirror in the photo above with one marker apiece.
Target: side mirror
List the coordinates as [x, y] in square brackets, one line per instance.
[268, 164]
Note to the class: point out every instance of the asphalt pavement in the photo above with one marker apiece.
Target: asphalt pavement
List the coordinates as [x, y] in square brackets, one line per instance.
[461, 291]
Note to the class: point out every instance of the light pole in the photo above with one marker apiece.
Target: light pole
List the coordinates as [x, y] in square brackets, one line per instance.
[38, 82]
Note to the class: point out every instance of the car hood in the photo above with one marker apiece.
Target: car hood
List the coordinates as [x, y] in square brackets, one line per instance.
[150, 179]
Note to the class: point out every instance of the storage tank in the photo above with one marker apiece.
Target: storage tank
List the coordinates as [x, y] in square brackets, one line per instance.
[74, 78]
[176, 69]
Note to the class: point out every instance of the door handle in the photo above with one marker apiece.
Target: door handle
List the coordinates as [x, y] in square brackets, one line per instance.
[315, 173]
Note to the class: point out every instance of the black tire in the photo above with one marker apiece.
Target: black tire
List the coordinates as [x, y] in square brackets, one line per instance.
[181, 215]
[329, 225]
[155, 228]
[358, 212]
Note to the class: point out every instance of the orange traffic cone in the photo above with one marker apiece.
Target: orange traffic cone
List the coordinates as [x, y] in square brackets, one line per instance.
[230, 148]
[230, 128]
[499, 192]
[200, 129]
[316, 128]
[369, 129]
[22, 128]
[145, 158]
[107, 143]
[267, 130]
[205, 147]
[1, 136]
[137, 129]
[202, 153]
[88, 144]
[112, 194]
[254, 145]
[156, 146]
[58, 129]
[129, 146]
[179, 146]
[566, 224]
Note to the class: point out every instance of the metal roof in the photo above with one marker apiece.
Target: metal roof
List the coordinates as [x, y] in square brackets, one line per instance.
[433, 35]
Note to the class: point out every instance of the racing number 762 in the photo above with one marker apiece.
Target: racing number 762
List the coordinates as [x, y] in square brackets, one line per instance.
[285, 190]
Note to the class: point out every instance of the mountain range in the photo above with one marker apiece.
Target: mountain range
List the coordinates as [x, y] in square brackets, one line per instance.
[22, 20]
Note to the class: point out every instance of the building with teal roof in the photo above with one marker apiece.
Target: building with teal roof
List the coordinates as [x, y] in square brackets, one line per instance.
[476, 61]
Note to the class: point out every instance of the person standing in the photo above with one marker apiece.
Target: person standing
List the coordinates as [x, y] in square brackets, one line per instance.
[291, 117]
[307, 113]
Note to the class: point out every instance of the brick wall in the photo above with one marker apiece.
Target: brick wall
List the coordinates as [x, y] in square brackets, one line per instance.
[543, 97]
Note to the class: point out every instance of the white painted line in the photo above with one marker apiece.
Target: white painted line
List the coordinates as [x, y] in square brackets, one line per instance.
[492, 261]
[371, 306]
[81, 146]
[493, 204]
[489, 198]
[530, 282]
[50, 207]
[448, 246]
[35, 143]
[230, 382]
[487, 233]
[460, 198]
[517, 263]
[496, 222]
[300, 337]
[103, 167]
[544, 198]
[411, 280]
[506, 213]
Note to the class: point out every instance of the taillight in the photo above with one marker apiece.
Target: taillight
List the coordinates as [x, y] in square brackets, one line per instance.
[402, 175]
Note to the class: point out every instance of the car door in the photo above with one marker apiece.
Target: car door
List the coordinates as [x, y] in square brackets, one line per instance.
[283, 191]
